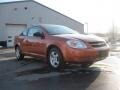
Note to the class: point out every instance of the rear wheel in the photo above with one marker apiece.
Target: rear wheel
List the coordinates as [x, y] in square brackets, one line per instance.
[18, 53]
[55, 59]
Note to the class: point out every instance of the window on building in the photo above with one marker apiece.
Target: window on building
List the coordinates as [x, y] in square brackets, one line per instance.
[25, 8]
[15, 9]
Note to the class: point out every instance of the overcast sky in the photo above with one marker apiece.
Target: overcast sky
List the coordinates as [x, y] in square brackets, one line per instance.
[99, 14]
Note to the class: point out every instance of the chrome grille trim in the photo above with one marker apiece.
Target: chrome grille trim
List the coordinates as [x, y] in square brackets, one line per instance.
[97, 44]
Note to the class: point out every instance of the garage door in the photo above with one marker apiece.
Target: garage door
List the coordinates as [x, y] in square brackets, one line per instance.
[12, 31]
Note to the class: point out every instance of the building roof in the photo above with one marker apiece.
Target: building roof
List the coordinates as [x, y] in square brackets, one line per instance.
[41, 5]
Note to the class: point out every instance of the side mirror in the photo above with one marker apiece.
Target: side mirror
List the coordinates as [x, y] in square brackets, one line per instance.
[42, 35]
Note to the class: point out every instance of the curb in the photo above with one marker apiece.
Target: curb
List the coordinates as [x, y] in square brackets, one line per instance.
[6, 52]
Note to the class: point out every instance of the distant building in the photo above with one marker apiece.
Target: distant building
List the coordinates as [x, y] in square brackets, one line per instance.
[19, 15]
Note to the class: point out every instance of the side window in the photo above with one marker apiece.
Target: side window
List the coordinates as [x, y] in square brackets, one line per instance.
[33, 30]
[24, 33]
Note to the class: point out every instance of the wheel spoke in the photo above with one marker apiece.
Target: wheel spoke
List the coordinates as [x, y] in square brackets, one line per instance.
[54, 59]
[17, 53]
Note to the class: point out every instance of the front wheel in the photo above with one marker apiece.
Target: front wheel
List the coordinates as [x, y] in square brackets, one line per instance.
[18, 53]
[55, 59]
[86, 65]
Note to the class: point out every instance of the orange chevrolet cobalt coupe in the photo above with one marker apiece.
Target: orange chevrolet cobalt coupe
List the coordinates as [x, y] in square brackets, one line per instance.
[59, 45]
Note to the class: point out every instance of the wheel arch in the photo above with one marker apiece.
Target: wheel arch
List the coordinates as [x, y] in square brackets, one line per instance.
[53, 46]
[17, 45]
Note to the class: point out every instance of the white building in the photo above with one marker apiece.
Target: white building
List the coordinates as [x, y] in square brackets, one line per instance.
[19, 15]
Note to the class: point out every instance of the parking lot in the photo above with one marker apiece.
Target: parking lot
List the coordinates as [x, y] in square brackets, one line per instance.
[33, 74]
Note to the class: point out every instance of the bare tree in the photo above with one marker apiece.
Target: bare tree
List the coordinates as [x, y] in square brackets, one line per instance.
[113, 34]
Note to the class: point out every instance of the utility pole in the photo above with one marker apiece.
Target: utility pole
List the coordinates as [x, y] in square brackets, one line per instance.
[113, 33]
[86, 25]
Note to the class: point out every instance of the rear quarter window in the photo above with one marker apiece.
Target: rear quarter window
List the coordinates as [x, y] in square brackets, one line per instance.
[24, 33]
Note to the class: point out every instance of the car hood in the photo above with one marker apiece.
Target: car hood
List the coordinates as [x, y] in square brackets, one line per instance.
[84, 37]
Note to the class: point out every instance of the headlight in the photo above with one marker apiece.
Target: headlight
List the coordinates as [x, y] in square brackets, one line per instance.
[75, 43]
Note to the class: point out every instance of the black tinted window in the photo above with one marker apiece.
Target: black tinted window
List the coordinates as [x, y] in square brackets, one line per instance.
[34, 30]
[57, 29]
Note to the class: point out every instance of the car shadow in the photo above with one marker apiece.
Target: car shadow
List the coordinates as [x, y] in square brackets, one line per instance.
[72, 77]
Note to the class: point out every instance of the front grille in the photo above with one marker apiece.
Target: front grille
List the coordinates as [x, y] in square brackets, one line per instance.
[97, 44]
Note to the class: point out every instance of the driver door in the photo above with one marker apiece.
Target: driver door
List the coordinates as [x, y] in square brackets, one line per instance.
[37, 44]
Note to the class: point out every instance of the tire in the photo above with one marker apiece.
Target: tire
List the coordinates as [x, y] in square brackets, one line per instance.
[55, 59]
[86, 65]
[18, 54]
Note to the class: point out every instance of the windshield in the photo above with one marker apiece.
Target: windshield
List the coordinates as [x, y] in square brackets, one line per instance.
[58, 29]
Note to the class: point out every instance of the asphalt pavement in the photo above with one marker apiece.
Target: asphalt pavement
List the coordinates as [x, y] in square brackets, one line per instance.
[33, 74]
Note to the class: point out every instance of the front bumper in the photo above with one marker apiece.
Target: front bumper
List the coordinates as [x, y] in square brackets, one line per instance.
[85, 55]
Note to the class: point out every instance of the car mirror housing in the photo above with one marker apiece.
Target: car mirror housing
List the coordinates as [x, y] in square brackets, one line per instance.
[42, 35]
